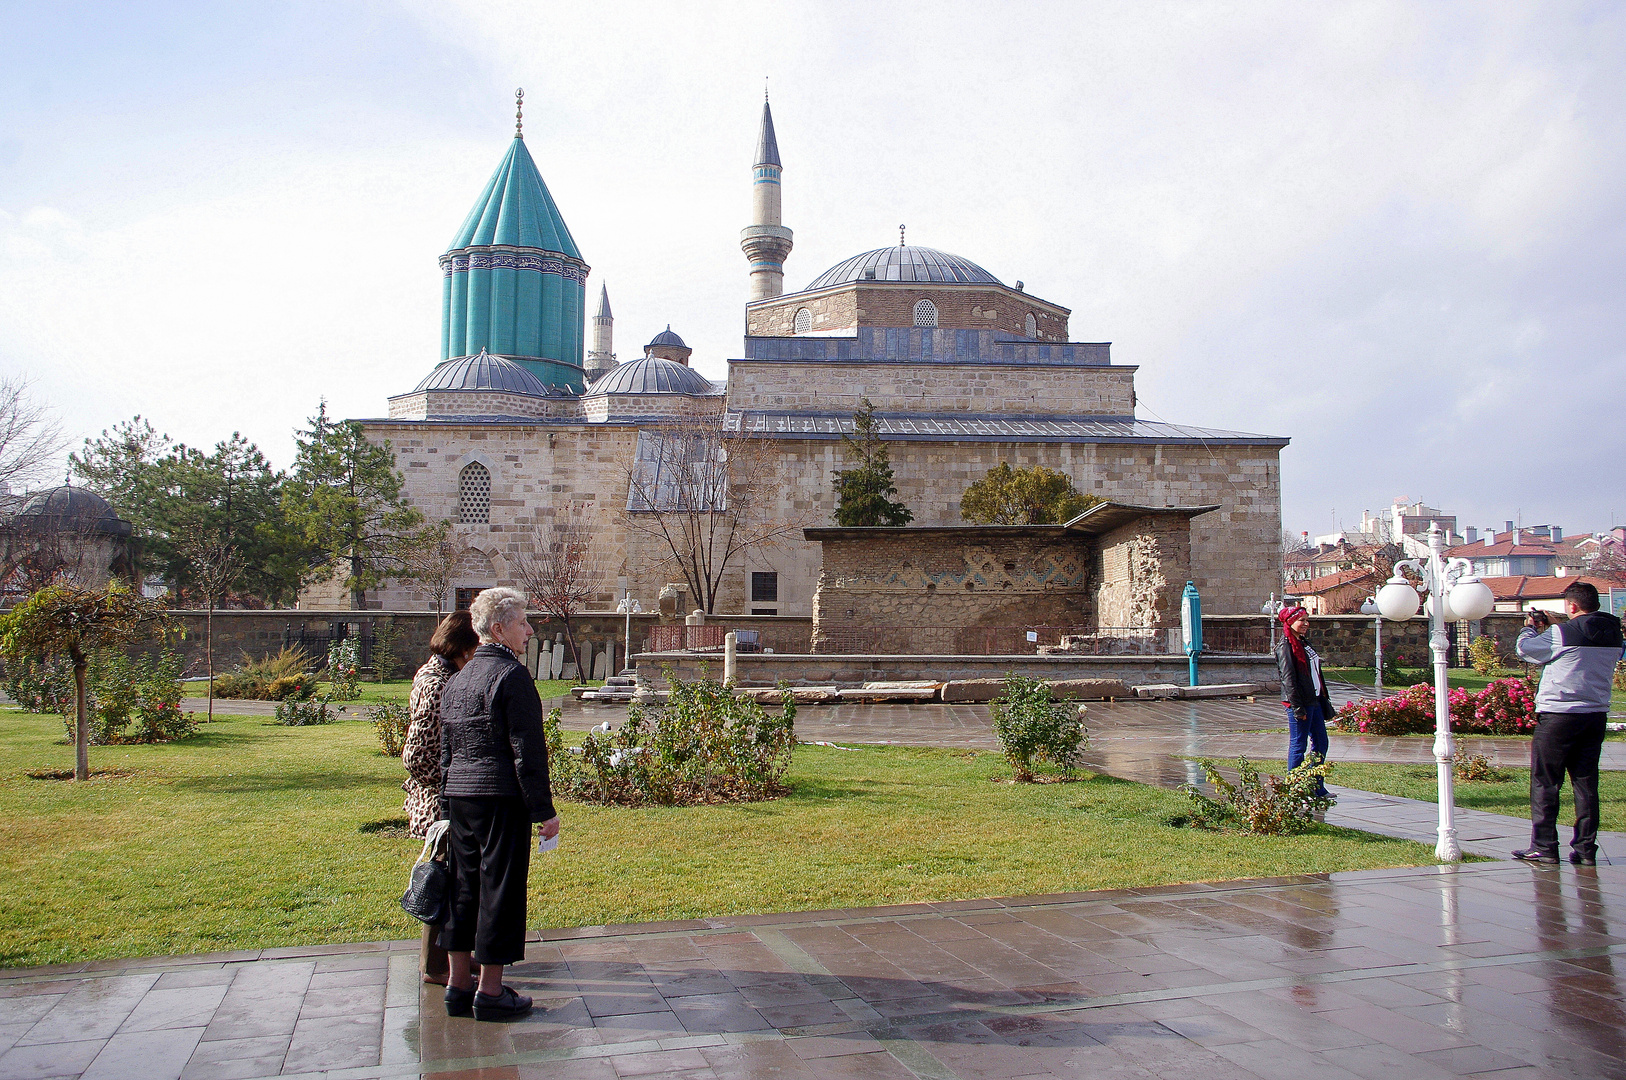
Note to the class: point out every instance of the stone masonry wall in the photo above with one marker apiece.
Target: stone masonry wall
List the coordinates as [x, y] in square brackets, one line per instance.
[933, 387]
[538, 469]
[1141, 569]
[893, 304]
[895, 591]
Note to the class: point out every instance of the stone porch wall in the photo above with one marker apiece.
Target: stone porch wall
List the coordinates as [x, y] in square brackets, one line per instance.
[1141, 570]
[895, 581]
[851, 671]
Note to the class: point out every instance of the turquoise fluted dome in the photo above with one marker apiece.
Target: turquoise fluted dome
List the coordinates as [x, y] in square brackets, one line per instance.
[515, 282]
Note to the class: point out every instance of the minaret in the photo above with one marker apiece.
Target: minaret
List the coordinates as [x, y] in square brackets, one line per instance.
[601, 357]
[765, 242]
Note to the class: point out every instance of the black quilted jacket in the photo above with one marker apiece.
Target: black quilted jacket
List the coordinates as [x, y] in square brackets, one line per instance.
[491, 742]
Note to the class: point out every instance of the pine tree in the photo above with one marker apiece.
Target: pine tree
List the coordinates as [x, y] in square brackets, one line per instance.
[345, 495]
[1032, 496]
[863, 493]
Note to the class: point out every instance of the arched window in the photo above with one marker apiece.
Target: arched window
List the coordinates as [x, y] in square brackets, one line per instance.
[1032, 326]
[925, 313]
[804, 321]
[474, 494]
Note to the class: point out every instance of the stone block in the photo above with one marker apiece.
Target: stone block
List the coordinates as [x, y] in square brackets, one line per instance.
[1089, 689]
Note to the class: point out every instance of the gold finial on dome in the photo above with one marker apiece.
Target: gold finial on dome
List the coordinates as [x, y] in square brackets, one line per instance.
[900, 235]
[519, 113]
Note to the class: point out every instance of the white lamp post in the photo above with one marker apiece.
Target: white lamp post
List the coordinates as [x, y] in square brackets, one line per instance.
[1454, 593]
[628, 607]
[1370, 607]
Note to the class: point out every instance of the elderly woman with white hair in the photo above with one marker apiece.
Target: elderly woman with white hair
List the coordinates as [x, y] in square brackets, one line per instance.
[495, 762]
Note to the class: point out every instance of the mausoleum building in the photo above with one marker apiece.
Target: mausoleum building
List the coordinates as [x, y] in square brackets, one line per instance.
[965, 371]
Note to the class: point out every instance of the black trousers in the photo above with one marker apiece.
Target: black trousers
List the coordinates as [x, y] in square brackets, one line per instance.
[1565, 743]
[490, 849]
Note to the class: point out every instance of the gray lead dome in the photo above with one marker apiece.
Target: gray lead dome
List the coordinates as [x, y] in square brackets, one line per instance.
[482, 372]
[651, 375]
[905, 264]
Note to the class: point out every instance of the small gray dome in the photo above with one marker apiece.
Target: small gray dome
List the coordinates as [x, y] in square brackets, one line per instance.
[900, 263]
[482, 372]
[76, 507]
[666, 337]
[651, 375]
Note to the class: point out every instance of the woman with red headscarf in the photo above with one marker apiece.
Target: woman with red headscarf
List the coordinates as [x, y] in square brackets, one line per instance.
[1304, 691]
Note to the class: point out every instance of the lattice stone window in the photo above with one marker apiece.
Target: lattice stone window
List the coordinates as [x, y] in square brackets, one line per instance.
[1032, 326]
[925, 313]
[474, 494]
[804, 321]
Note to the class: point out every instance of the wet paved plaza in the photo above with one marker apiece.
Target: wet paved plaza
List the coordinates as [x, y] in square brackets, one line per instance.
[1488, 969]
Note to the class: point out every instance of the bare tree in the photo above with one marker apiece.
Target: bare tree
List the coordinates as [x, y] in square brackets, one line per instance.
[61, 547]
[564, 572]
[31, 441]
[707, 495]
[434, 560]
[216, 565]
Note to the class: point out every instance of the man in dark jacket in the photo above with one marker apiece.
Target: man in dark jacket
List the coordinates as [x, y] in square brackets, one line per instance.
[1572, 712]
[495, 761]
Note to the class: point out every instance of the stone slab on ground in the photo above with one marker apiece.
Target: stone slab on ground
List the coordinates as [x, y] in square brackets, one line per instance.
[1486, 969]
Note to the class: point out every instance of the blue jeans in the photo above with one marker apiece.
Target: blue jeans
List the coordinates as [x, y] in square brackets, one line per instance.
[1307, 734]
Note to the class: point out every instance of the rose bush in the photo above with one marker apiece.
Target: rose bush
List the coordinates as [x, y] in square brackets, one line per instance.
[1504, 707]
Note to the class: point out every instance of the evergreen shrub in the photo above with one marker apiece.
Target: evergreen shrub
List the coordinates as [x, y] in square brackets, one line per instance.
[703, 745]
[391, 721]
[292, 713]
[1266, 805]
[1032, 725]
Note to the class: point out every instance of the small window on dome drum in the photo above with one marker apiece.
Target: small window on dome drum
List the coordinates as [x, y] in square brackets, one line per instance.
[925, 313]
[474, 495]
[1032, 326]
[804, 321]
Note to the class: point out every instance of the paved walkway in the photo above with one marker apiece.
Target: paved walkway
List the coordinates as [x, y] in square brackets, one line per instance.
[1487, 969]
[1490, 969]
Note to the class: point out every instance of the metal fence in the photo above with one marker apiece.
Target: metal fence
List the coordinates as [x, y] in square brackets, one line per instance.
[314, 638]
[683, 638]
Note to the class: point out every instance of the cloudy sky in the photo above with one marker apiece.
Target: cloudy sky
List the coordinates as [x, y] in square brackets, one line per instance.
[1390, 231]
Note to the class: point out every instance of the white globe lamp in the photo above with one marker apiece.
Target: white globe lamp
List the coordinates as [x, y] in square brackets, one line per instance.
[1469, 599]
[1397, 601]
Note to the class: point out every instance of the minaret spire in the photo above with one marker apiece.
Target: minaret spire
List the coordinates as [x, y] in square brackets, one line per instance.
[601, 357]
[765, 241]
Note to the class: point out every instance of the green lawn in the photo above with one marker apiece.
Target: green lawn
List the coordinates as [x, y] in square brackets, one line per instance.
[393, 690]
[1511, 796]
[251, 835]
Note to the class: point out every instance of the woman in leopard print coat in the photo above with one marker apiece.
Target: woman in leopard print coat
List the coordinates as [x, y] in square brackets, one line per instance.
[454, 642]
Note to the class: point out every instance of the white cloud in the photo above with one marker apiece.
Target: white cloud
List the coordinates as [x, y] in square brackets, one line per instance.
[1311, 220]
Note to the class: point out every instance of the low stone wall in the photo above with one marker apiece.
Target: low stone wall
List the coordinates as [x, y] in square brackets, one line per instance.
[1346, 640]
[823, 669]
[263, 633]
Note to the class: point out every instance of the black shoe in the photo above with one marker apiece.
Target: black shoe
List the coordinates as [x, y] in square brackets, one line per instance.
[459, 1002]
[504, 1006]
[1531, 855]
[1583, 860]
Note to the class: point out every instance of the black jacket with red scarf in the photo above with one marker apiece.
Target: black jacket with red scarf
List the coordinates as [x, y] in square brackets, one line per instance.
[1298, 687]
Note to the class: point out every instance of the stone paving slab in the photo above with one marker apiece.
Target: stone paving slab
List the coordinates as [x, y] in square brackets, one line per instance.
[1488, 969]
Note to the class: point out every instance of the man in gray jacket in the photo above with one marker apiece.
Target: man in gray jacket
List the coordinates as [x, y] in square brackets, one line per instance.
[1572, 708]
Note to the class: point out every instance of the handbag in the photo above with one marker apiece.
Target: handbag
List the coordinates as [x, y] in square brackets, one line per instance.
[428, 893]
